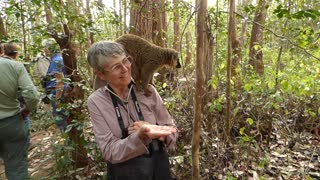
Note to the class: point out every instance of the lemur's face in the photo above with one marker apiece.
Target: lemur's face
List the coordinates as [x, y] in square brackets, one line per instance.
[177, 62]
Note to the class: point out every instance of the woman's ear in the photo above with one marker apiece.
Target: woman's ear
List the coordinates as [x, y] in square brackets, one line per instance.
[101, 75]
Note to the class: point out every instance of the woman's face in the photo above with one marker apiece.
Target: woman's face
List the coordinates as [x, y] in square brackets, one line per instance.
[117, 72]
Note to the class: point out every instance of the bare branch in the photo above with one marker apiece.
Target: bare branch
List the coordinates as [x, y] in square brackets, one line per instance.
[279, 36]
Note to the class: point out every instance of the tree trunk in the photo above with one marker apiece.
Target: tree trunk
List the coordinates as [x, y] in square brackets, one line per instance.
[235, 45]
[49, 17]
[188, 49]
[231, 35]
[256, 42]
[118, 33]
[209, 45]
[74, 93]
[200, 24]
[23, 24]
[158, 14]
[278, 66]
[159, 35]
[208, 67]
[141, 19]
[3, 32]
[176, 25]
[164, 24]
[125, 16]
[244, 25]
[90, 39]
[120, 17]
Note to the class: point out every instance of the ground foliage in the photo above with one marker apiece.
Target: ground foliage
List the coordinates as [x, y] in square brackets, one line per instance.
[276, 116]
[292, 152]
[289, 150]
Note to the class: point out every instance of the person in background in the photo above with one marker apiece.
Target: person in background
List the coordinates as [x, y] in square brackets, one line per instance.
[43, 61]
[132, 130]
[11, 51]
[55, 86]
[15, 82]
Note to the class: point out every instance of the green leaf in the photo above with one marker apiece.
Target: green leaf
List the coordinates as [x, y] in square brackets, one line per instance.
[246, 138]
[247, 87]
[164, 85]
[309, 178]
[298, 15]
[235, 111]
[281, 12]
[270, 84]
[242, 131]
[211, 108]
[285, 85]
[250, 121]
[275, 105]
[219, 107]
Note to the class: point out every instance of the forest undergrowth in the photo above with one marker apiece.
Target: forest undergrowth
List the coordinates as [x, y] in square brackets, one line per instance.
[275, 135]
[280, 141]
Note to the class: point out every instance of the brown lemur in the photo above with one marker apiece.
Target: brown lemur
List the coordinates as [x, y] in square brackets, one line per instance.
[147, 59]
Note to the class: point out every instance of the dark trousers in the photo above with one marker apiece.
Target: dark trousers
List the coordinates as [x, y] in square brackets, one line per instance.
[147, 167]
[13, 147]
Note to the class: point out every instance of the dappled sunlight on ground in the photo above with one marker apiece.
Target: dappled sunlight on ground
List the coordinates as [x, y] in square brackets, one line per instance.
[40, 156]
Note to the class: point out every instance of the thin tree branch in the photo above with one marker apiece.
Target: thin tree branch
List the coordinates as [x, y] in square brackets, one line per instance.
[184, 29]
[279, 36]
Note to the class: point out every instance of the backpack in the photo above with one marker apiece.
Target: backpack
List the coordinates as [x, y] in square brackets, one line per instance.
[41, 68]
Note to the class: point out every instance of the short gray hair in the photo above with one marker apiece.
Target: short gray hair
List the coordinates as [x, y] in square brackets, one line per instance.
[51, 45]
[99, 53]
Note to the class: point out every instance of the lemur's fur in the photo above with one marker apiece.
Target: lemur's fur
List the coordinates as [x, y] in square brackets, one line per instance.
[147, 58]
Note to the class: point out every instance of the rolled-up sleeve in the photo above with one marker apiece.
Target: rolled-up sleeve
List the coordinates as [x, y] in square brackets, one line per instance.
[28, 90]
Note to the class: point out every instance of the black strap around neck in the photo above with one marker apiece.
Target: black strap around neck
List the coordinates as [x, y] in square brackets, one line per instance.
[136, 105]
[115, 101]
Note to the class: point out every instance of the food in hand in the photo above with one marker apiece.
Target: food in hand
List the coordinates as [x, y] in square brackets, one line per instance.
[156, 130]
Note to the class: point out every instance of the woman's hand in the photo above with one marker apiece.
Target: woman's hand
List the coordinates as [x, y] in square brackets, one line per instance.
[135, 127]
[146, 129]
[159, 132]
[162, 138]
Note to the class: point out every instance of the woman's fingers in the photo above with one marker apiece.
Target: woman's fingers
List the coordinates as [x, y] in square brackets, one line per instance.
[152, 131]
[158, 131]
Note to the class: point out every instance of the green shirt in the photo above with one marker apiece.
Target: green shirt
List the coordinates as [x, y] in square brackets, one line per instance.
[15, 82]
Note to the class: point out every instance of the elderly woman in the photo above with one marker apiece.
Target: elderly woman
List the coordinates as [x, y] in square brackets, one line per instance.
[132, 130]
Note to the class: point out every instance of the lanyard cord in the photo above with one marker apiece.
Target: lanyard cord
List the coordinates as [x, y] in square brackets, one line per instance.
[115, 99]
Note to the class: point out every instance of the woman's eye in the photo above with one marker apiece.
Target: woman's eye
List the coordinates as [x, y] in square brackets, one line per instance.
[116, 67]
